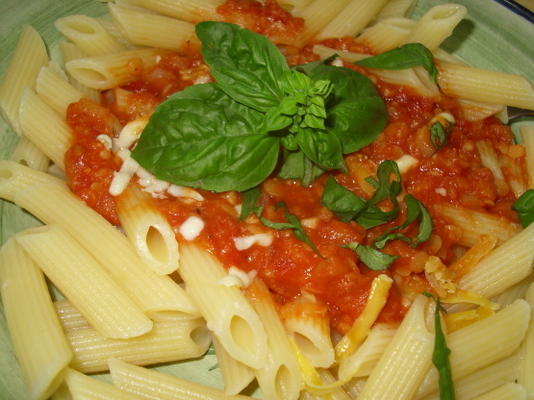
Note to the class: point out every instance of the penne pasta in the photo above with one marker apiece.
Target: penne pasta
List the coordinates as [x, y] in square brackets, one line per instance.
[88, 34]
[508, 391]
[110, 70]
[238, 328]
[50, 200]
[39, 343]
[26, 153]
[436, 25]
[150, 383]
[236, 375]
[527, 134]
[30, 55]
[526, 352]
[149, 232]
[187, 10]
[387, 33]
[164, 32]
[84, 282]
[397, 8]
[82, 387]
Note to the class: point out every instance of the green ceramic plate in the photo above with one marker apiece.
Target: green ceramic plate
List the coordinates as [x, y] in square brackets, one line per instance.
[490, 37]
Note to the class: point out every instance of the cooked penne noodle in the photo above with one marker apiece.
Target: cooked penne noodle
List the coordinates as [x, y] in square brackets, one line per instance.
[69, 51]
[88, 34]
[351, 20]
[476, 224]
[44, 127]
[187, 10]
[527, 350]
[483, 85]
[397, 8]
[167, 342]
[406, 359]
[527, 134]
[151, 384]
[83, 387]
[318, 15]
[111, 70]
[387, 33]
[505, 266]
[305, 322]
[147, 229]
[280, 376]
[236, 375]
[228, 313]
[30, 55]
[116, 31]
[354, 387]
[153, 30]
[488, 378]
[416, 78]
[477, 111]
[325, 52]
[362, 361]
[55, 90]
[517, 291]
[70, 317]
[42, 351]
[295, 6]
[26, 153]
[489, 159]
[502, 333]
[51, 201]
[84, 282]
[436, 25]
[508, 391]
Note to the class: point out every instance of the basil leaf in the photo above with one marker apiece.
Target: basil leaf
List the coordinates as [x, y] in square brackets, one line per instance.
[292, 223]
[324, 149]
[406, 56]
[356, 114]
[200, 137]
[372, 258]
[440, 356]
[245, 64]
[415, 210]
[250, 203]
[297, 166]
[341, 201]
[524, 206]
[438, 135]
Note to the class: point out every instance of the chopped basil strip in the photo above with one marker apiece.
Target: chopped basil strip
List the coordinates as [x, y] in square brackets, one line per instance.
[250, 203]
[229, 135]
[347, 206]
[415, 211]
[406, 56]
[292, 223]
[372, 258]
[440, 356]
[524, 206]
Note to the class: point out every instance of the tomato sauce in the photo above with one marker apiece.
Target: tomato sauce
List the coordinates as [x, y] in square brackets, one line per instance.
[453, 175]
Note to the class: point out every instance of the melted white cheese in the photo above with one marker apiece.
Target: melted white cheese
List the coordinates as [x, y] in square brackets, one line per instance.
[245, 242]
[191, 228]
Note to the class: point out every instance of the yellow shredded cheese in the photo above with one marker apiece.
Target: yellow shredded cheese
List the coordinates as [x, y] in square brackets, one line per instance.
[378, 296]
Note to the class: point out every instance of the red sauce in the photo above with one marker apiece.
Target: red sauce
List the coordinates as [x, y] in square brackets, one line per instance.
[453, 175]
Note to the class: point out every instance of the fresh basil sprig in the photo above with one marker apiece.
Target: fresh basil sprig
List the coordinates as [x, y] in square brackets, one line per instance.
[347, 206]
[292, 223]
[371, 257]
[404, 57]
[415, 211]
[524, 206]
[440, 356]
[228, 135]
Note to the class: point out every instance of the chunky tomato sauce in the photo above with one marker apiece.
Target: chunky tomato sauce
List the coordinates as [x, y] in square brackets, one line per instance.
[453, 175]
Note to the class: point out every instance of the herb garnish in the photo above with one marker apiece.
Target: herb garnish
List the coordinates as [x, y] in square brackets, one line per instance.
[524, 206]
[372, 258]
[347, 206]
[250, 203]
[404, 57]
[440, 355]
[292, 223]
[228, 135]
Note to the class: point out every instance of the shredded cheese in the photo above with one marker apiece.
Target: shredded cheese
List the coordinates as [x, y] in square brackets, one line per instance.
[237, 277]
[406, 163]
[191, 228]
[105, 140]
[246, 242]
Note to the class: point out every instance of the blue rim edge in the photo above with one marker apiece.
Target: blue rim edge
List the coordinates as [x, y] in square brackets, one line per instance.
[518, 9]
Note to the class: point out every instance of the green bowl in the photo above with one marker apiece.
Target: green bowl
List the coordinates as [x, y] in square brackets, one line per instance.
[490, 37]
